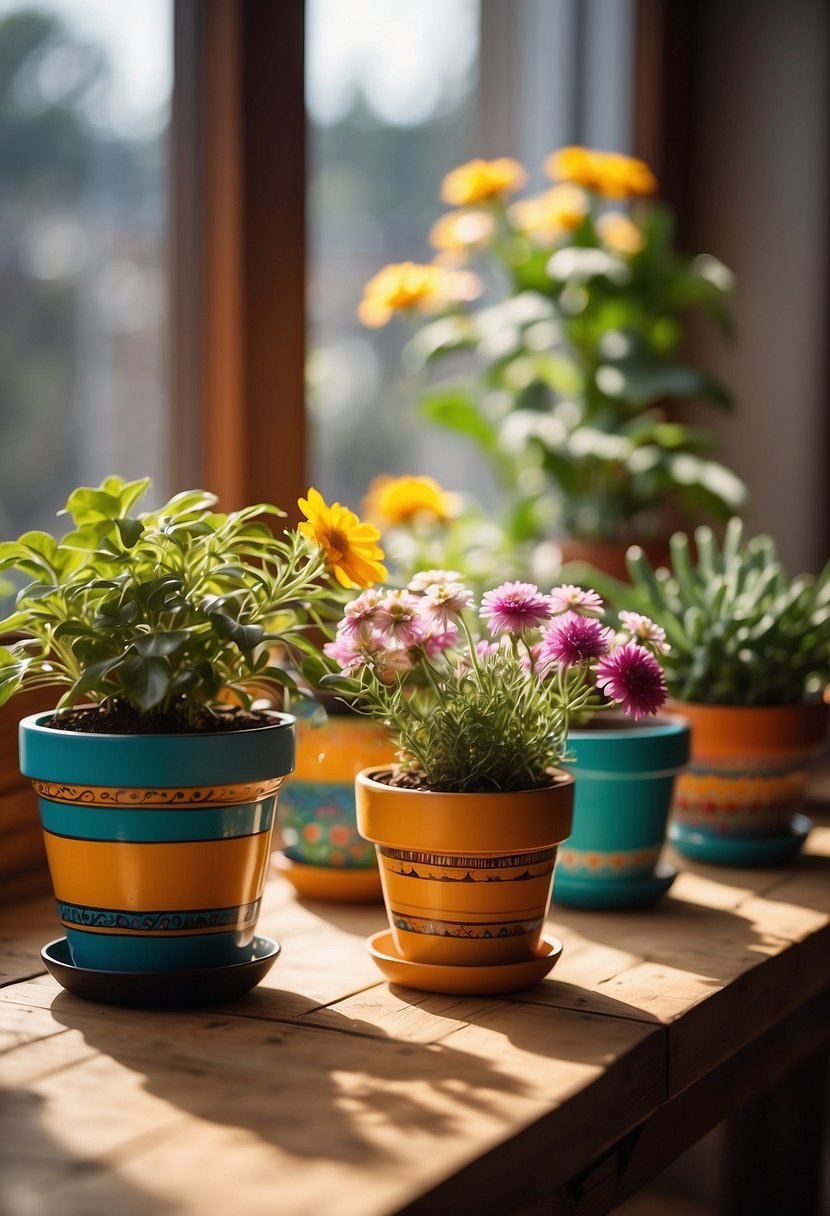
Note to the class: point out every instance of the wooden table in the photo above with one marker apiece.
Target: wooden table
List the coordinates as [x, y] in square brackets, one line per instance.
[327, 1091]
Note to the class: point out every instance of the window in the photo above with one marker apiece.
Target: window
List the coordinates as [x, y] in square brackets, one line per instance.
[84, 90]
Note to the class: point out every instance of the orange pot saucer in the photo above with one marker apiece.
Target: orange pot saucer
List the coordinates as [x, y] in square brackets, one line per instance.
[462, 981]
[331, 884]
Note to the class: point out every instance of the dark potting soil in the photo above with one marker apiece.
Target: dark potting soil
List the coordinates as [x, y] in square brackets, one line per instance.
[124, 720]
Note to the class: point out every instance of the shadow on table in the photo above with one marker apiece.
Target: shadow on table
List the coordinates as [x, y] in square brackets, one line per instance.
[33, 1163]
[314, 1092]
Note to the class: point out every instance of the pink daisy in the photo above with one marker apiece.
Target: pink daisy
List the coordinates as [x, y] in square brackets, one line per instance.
[359, 614]
[425, 578]
[632, 676]
[573, 639]
[643, 629]
[443, 603]
[398, 618]
[438, 640]
[515, 608]
[348, 651]
[567, 598]
[486, 650]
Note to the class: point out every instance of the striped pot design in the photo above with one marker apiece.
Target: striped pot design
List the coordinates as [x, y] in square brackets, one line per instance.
[625, 774]
[158, 845]
[748, 768]
[466, 877]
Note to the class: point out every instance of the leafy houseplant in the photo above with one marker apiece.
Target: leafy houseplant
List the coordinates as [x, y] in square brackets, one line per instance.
[467, 825]
[750, 654]
[573, 350]
[157, 794]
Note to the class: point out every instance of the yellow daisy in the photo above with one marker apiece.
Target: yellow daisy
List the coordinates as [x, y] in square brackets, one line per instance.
[482, 179]
[404, 285]
[351, 549]
[619, 233]
[461, 230]
[399, 500]
[548, 216]
[608, 173]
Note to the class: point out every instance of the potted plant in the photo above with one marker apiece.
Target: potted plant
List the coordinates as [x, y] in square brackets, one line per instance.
[571, 356]
[157, 774]
[750, 653]
[468, 823]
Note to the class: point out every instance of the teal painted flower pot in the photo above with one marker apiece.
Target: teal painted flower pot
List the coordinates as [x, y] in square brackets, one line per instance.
[625, 775]
[158, 845]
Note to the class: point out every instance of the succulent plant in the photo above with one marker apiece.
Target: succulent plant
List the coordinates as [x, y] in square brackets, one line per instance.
[741, 630]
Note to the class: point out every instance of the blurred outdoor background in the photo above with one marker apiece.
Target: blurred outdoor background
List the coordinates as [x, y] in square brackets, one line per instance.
[103, 199]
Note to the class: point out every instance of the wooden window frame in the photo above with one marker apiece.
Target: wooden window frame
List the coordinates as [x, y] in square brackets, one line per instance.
[238, 250]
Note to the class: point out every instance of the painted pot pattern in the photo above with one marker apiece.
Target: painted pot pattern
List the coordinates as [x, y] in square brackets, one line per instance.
[749, 767]
[160, 876]
[625, 775]
[466, 877]
[317, 807]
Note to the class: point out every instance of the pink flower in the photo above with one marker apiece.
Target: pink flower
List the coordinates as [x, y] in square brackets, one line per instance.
[486, 650]
[573, 639]
[398, 618]
[515, 608]
[632, 676]
[425, 578]
[644, 630]
[389, 664]
[443, 603]
[436, 641]
[349, 652]
[359, 614]
[567, 597]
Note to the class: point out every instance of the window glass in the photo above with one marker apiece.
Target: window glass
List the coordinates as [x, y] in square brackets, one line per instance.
[391, 94]
[84, 114]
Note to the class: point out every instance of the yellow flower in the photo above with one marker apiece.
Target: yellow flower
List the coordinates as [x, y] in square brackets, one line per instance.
[619, 233]
[352, 552]
[403, 285]
[461, 230]
[482, 179]
[548, 216]
[398, 500]
[608, 173]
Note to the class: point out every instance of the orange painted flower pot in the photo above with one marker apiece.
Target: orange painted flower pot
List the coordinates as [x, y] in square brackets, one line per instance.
[466, 877]
[747, 774]
[323, 854]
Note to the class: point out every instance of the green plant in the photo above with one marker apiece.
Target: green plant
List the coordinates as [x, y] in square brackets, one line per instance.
[171, 612]
[563, 371]
[742, 631]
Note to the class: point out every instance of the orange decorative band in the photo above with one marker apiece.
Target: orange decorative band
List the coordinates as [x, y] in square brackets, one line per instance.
[605, 863]
[101, 795]
[464, 929]
[154, 924]
[475, 869]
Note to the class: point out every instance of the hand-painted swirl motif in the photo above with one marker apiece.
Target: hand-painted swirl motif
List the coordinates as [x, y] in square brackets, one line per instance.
[100, 795]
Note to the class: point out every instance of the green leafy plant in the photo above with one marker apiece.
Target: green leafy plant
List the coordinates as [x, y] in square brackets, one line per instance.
[173, 612]
[742, 631]
[567, 370]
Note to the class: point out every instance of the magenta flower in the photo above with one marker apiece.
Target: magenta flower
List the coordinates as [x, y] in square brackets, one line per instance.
[572, 639]
[515, 608]
[348, 651]
[643, 630]
[486, 650]
[439, 640]
[569, 598]
[359, 614]
[631, 675]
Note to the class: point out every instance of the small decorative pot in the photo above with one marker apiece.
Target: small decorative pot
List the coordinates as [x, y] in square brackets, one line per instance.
[739, 802]
[466, 877]
[323, 854]
[158, 845]
[625, 774]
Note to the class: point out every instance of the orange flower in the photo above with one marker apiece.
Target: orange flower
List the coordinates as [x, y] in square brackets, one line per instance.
[404, 285]
[352, 552]
[619, 233]
[608, 173]
[461, 230]
[482, 179]
[548, 216]
[399, 500]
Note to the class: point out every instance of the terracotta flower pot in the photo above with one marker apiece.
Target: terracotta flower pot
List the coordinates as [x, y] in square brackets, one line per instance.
[625, 773]
[323, 854]
[739, 801]
[466, 877]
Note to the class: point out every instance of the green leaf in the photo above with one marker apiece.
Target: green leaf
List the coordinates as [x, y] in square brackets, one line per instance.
[145, 681]
[456, 410]
[156, 645]
[131, 531]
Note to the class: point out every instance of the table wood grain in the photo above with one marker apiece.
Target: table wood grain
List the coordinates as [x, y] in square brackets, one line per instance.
[326, 1089]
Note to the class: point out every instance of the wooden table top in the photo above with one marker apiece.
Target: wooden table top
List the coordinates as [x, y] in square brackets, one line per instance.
[325, 1089]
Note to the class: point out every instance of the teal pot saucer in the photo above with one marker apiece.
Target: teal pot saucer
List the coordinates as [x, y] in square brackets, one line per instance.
[740, 851]
[607, 894]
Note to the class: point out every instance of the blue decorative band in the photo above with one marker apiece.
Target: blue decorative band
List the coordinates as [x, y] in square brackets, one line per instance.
[202, 920]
